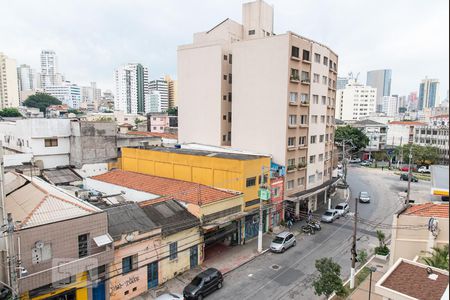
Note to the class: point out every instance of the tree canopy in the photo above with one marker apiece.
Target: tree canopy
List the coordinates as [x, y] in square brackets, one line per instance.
[10, 112]
[439, 258]
[173, 111]
[355, 135]
[329, 279]
[421, 155]
[41, 101]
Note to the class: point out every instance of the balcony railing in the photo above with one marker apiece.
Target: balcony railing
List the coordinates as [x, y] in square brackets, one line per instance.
[304, 102]
[306, 81]
[301, 165]
[290, 168]
[295, 78]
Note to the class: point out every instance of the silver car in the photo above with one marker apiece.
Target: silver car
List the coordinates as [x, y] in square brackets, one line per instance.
[282, 242]
[170, 296]
[330, 215]
[364, 197]
[342, 209]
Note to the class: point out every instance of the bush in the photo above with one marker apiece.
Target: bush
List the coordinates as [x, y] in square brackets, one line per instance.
[362, 256]
[382, 250]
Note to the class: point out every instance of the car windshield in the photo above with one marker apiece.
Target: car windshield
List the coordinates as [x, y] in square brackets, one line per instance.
[364, 194]
[328, 213]
[339, 207]
[196, 281]
[278, 240]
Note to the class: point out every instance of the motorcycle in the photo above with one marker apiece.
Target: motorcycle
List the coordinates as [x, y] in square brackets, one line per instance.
[309, 229]
[315, 225]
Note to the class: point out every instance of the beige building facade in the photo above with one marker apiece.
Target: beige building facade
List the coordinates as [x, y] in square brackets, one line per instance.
[261, 92]
[9, 87]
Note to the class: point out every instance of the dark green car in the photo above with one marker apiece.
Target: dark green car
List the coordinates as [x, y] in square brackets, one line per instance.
[404, 177]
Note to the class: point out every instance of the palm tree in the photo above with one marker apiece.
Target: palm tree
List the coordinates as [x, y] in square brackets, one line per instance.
[439, 258]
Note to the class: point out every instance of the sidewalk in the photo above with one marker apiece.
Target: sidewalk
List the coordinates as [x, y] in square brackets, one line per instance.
[362, 291]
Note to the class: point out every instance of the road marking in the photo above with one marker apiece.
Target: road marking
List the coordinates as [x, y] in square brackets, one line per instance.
[296, 262]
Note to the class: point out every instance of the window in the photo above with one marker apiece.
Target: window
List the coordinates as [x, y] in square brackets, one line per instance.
[229, 117]
[313, 139]
[229, 97]
[312, 159]
[294, 74]
[324, 100]
[173, 247]
[224, 117]
[83, 242]
[224, 138]
[129, 263]
[230, 78]
[295, 52]
[225, 57]
[321, 137]
[291, 142]
[276, 192]
[229, 136]
[325, 61]
[324, 79]
[291, 162]
[322, 119]
[292, 120]
[51, 142]
[300, 181]
[304, 98]
[293, 97]
[225, 97]
[302, 140]
[251, 32]
[225, 77]
[317, 57]
[266, 179]
[312, 178]
[290, 184]
[250, 182]
[315, 99]
[303, 119]
[306, 55]
[319, 176]
[314, 119]
[316, 78]
[320, 157]
[230, 58]
[326, 137]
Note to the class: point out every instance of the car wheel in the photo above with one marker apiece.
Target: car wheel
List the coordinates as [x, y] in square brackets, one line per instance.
[294, 244]
[200, 297]
[282, 250]
[219, 285]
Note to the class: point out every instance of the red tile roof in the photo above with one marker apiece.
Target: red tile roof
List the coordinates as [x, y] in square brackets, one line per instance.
[428, 210]
[168, 188]
[440, 116]
[413, 280]
[157, 134]
[410, 123]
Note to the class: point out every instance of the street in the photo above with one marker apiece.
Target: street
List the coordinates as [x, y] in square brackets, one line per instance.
[290, 275]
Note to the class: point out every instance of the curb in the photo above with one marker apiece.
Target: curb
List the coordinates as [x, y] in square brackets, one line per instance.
[246, 262]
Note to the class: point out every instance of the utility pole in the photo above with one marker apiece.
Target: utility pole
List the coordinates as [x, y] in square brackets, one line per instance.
[408, 192]
[12, 258]
[344, 162]
[353, 269]
[4, 277]
[263, 194]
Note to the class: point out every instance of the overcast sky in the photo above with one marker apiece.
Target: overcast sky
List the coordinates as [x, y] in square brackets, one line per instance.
[92, 37]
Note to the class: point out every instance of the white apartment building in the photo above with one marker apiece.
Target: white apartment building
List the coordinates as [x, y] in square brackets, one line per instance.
[355, 101]
[435, 134]
[131, 88]
[401, 132]
[90, 96]
[162, 87]
[9, 87]
[47, 140]
[375, 131]
[49, 69]
[390, 105]
[67, 93]
[154, 102]
[27, 78]
[243, 86]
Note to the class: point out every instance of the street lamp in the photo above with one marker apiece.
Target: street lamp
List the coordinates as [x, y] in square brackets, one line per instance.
[371, 270]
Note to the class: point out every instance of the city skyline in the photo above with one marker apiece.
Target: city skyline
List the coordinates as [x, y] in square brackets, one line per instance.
[107, 43]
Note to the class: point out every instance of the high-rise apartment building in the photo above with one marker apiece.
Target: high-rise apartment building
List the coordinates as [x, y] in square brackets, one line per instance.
[355, 101]
[27, 78]
[49, 69]
[131, 88]
[67, 93]
[173, 90]
[243, 86]
[381, 80]
[9, 87]
[162, 87]
[412, 101]
[428, 93]
[390, 105]
[341, 82]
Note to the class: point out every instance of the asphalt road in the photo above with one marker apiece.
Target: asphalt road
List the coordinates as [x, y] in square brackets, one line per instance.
[290, 275]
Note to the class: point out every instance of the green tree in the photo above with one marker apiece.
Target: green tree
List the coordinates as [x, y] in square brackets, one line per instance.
[355, 135]
[329, 279]
[439, 258]
[74, 111]
[173, 111]
[10, 112]
[422, 155]
[137, 121]
[379, 156]
[41, 101]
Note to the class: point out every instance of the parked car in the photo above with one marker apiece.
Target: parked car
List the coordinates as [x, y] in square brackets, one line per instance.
[282, 242]
[342, 209]
[365, 163]
[354, 160]
[406, 169]
[364, 197]
[330, 215]
[404, 177]
[424, 169]
[170, 296]
[203, 284]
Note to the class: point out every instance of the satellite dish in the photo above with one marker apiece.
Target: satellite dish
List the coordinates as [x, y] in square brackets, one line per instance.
[129, 237]
[39, 244]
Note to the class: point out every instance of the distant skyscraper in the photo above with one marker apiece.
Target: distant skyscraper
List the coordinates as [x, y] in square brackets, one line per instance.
[412, 101]
[27, 78]
[67, 93]
[355, 101]
[9, 87]
[390, 105]
[131, 89]
[173, 85]
[161, 86]
[49, 69]
[381, 80]
[341, 82]
[428, 93]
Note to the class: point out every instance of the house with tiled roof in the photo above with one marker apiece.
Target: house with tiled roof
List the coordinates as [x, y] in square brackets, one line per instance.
[418, 228]
[54, 227]
[410, 280]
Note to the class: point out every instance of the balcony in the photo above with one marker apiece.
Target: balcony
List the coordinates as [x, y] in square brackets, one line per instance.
[292, 126]
[295, 79]
[293, 103]
[304, 103]
[306, 81]
[304, 125]
[302, 147]
[302, 166]
[296, 58]
[290, 169]
[291, 148]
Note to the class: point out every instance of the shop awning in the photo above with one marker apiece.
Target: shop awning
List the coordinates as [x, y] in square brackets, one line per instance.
[315, 190]
[439, 180]
[223, 221]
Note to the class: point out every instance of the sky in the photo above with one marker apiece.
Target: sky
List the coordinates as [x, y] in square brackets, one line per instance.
[93, 37]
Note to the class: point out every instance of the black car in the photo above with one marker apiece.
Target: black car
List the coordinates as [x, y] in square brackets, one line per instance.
[404, 177]
[203, 284]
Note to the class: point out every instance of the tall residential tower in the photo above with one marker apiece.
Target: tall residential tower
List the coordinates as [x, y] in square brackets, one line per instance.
[131, 89]
[381, 80]
[428, 93]
[9, 88]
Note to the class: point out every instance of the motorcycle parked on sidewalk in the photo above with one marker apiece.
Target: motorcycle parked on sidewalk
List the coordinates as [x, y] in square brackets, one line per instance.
[309, 229]
[315, 225]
